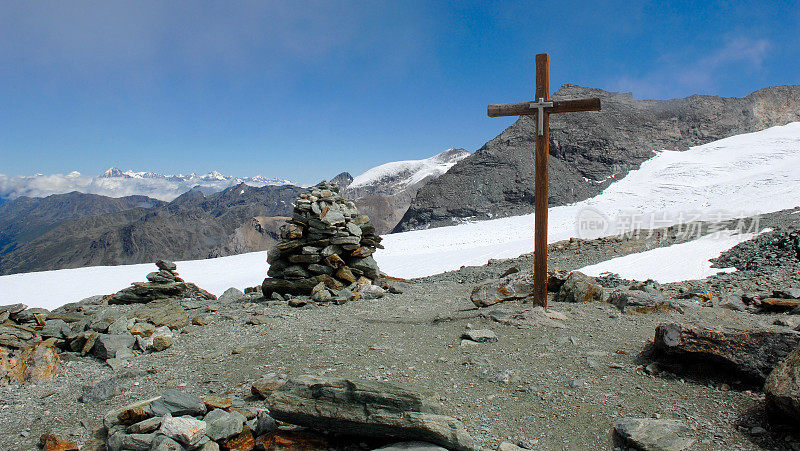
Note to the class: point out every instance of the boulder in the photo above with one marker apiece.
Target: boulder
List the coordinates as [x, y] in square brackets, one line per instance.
[578, 287]
[221, 425]
[107, 346]
[748, 354]
[366, 408]
[513, 286]
[782, 388]
[654, 434]
[232, 295]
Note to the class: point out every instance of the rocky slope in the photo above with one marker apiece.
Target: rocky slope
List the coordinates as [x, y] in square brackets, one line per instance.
[25, 218]
[589, 150]
[190, 227]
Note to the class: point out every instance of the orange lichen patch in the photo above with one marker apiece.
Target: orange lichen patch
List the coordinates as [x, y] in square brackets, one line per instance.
[244, 441]
[29, 365]
[50, 442]
[291, 441]
[503, 290]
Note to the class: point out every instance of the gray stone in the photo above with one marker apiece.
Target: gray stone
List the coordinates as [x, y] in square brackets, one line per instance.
[56, 328]
[366, 408]
[101, 391]
[354, 229]
[579, 288]
[164, 443]
[27, 315]
[186, 430]
[331, 250]
[264, 424]
[232, 295]
[787, 293]
[651, 434]
[221, 425]
[13, 309]
[296, 272]
[332, 218]
[370, 291]
[145, 426]
[119, 326]
[480, 335]
[106, 346]
[637, 300]
[367, 265]
[177, 403]
[166, 265]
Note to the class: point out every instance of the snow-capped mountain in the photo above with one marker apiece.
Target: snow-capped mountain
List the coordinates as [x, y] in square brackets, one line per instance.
[385, 192]
[118, 183]
[391, 178]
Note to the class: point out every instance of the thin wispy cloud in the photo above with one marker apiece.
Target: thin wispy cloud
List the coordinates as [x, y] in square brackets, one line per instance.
[677, 77]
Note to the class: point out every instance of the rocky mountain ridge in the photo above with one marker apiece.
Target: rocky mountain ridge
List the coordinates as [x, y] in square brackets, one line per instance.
[588, 150]
[385, 191]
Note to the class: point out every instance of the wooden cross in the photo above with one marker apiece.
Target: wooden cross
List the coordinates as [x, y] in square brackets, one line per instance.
[542, 108]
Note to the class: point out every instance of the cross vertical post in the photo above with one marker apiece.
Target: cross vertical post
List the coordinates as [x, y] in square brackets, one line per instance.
[542, 108]
[541, 182]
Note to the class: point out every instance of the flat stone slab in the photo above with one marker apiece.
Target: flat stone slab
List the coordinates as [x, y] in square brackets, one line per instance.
[366, 408]
[656, 435]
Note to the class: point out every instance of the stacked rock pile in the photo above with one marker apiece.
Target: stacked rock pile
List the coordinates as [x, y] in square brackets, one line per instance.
[295, 417]
[31, 338]
[162, 284]
[325, 249]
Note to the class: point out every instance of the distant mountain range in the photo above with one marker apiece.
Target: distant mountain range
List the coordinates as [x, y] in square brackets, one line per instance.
[117, 183]
[78, 229]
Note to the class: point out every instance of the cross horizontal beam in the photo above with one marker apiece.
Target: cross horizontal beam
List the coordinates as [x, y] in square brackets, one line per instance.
[559, 106]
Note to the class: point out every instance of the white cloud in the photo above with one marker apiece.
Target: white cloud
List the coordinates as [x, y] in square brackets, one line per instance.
[163, 187]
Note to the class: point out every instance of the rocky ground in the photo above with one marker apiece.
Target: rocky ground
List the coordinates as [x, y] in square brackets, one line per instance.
[559, 384]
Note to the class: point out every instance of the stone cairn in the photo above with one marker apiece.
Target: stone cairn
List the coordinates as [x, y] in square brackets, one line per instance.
[162, 284]
[325, 250]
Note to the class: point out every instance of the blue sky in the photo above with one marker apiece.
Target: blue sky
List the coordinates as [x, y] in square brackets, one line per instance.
[304, 90]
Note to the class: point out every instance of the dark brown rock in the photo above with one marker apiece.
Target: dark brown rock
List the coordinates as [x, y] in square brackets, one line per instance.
[748, 354]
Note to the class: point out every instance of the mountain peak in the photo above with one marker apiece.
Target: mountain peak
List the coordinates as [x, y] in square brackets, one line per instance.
[112, 172]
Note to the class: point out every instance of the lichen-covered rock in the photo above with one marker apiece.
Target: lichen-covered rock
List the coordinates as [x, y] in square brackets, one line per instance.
[578, 287]
[514, 286]
[33, 364]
